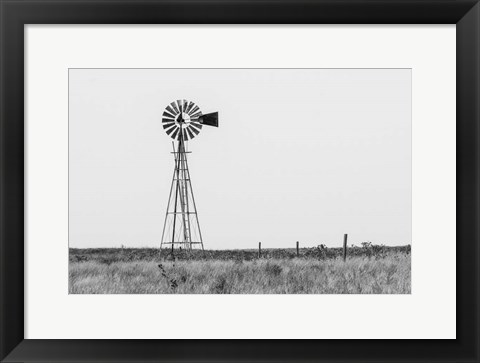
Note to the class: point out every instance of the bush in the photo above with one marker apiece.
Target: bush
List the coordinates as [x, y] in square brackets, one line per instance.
[273, 269]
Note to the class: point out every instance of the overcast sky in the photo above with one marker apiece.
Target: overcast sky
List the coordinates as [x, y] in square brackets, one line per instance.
[300, 155]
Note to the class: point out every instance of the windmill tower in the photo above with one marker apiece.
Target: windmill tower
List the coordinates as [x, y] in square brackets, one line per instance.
[182, 121]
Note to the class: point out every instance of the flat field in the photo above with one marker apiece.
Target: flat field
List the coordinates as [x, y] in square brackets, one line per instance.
[368, 270]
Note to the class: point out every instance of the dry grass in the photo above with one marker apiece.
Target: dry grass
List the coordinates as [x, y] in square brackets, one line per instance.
[359, 275]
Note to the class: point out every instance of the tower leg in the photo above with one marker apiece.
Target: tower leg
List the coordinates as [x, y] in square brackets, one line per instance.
[184, 198]
[169, 201]
[177, 163]
[194, 205]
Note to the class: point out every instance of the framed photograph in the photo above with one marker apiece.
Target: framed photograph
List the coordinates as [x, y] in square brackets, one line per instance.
[239, 181]
[119, 189]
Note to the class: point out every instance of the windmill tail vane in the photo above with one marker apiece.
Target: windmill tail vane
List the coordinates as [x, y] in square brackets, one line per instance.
[182, 121]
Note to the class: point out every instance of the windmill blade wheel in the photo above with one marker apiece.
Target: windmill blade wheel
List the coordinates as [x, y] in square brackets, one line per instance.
[181, 119]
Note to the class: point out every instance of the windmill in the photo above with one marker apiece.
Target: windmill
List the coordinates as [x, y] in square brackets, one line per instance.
[182, 121]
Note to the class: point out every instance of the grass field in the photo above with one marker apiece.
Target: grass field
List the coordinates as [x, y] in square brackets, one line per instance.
[369, 270]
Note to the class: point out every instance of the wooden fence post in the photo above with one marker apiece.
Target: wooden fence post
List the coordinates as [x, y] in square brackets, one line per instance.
[345, 247]
[298, 252]
[259, 249]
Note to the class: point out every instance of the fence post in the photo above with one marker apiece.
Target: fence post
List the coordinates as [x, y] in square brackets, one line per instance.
[298, 252]
[259, 249]
[345, 247]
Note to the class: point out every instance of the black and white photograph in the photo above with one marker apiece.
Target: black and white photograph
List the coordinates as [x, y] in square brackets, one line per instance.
[239, 181]
[304, 174]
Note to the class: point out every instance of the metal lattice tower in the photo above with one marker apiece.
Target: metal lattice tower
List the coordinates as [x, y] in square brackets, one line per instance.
[182, 121]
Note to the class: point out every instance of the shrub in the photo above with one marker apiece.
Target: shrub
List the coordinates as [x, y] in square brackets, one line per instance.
[273, 269]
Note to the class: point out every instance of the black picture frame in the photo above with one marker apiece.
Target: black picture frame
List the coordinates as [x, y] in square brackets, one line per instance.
[15, 14]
